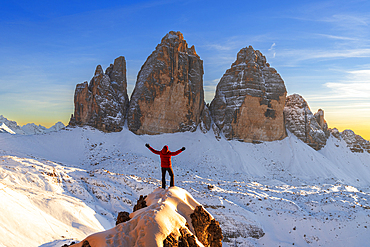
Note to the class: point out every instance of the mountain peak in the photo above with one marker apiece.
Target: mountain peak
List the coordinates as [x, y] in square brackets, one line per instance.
[168, 95]
[172, 35]
[249, 100]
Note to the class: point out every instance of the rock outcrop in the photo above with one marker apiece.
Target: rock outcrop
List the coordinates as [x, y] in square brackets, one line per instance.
[302, 123]
[356, 143]
[141, 203]
[250, 99]
[207, 230]
[122, 217]
[103, 102]
[168, 95]
[186, 239]
[125, 216]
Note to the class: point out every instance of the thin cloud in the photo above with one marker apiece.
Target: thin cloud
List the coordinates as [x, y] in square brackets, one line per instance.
[231, 43]
[355, 87]
[352, 90]
[347, 20]
[272, 49]
[296, 56]
[234, 42]
[337, 37]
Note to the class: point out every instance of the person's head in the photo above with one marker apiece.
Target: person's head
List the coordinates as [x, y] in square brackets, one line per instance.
[165, 148]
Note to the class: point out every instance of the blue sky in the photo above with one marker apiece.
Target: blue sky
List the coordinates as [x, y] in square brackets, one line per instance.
[320, 48]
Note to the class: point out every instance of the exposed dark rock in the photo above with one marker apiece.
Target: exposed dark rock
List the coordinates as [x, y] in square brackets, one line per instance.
[168, 95]
[216, 131]
[141, 203]
[170, 241]
[186, 239]
[67, 245]
[205, 120]
[256, 232]
[103, 102]
[215, 234]
[122, 217]
[207, 230]
[249, 232]
[86, 244]
[249, 100]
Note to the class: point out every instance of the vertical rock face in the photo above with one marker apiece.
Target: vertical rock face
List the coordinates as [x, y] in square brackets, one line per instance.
[250, 99]
[356, 143]
[168, 95]
[303, 124]
[103, 102]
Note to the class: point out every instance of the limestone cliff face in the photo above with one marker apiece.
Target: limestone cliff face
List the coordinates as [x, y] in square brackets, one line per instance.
[249, 100]
[103, 102]
[168, 95]
[311, 129]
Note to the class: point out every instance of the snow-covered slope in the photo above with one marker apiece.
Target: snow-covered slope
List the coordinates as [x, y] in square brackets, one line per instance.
[269, 194]
[28, 129]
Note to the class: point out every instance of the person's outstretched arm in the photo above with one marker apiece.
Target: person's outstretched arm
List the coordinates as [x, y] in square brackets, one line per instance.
[152, 149]
[177, 152]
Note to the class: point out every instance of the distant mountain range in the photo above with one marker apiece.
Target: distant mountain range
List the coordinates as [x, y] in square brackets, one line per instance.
[12, 127]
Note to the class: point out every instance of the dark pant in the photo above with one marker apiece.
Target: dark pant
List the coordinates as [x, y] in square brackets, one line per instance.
[170, 171]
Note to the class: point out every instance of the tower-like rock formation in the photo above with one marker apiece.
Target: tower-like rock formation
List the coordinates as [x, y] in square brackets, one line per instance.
[168, 95]
[249, 100]
[103, 102]
[319, 116]
[311, 129]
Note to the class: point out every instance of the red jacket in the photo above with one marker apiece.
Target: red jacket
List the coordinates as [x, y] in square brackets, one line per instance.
[165, 155]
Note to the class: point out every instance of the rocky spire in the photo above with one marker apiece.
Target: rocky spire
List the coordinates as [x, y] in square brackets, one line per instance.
[103, 102]
[249, 100]
[168, 95]
[311, 129]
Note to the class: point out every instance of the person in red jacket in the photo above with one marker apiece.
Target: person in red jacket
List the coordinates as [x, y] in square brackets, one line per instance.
[166, 164]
